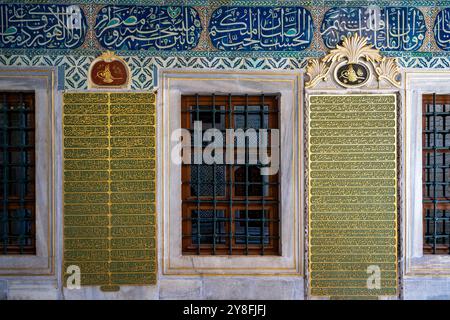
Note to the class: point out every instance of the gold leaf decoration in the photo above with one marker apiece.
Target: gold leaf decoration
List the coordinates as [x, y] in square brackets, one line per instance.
[317, 70]
[388, 70]
[110, 188]
[108, 56]
[352, 194]
[353, 49]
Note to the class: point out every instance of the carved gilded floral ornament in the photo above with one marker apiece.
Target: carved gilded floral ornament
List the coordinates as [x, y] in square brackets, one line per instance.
[109, 71]
[350, 65]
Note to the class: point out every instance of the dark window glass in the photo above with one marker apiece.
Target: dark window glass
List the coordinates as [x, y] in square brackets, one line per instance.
[230, 209]
[436, 178]
[17, 161]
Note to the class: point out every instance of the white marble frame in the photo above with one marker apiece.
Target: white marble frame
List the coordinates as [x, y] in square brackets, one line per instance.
[417, 83]
[288, 85]
[43, 82]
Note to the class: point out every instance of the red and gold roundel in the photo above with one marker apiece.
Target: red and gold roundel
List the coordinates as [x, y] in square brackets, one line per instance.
[109, 71]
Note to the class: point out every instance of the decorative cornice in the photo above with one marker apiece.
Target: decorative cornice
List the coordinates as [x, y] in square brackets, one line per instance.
[388, 69]
[353, 50]
[108, 56]
[317, 70]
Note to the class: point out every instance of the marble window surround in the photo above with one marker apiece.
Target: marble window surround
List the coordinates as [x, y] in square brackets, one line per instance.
[416, 84]
[174, 83]
[43, 82]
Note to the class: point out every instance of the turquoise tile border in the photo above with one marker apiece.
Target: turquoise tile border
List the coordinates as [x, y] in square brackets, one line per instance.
[143, 68]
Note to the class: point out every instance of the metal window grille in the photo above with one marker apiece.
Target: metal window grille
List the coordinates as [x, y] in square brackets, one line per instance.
[230, 209]
[17, 161]
[436, 179]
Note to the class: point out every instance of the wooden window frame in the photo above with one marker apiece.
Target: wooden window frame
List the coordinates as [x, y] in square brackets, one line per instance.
[438, 99]
[28, 200]
[238, 202]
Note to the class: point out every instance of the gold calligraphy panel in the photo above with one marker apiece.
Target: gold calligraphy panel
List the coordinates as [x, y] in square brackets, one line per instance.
[109, 188]
[352, 195]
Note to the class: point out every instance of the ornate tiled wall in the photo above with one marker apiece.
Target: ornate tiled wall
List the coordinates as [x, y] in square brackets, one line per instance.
[251, 34]
[217, 34]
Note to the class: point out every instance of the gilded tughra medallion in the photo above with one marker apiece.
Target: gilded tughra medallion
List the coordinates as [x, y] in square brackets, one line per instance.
[109, 71]
[352, 74]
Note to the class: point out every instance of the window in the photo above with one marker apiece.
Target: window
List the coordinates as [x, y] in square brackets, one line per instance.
[28, 171]
[281, 250]
[423, 190]
[436, 173]
[230, 208]
[17, 162]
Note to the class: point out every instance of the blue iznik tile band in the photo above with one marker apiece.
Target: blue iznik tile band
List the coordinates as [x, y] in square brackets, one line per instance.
[225, 28]
[388, 29]
[261, 28]
[442, 29]
[236, 34]
[29, 26]
[148, 28]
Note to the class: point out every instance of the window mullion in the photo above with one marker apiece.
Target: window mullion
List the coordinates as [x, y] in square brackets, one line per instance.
[434, 174]
[5, 214]
[198, 181]
[17, 224]
[247, 234]
[230, 213]
[22, 165]
[263, 178]
[214, 180]
[242, 219]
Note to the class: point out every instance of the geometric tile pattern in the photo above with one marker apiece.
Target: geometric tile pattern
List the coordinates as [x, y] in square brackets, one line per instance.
[425, 62]
[142, 68]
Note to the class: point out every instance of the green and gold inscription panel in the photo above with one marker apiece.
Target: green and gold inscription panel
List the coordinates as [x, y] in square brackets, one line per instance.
[352, 195]
[109, 188]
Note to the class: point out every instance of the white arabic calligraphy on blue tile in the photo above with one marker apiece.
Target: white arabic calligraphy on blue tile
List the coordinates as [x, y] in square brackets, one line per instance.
[388, 28]
[148, 27]
[41, 26]
[442, 29]
[261, 28]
